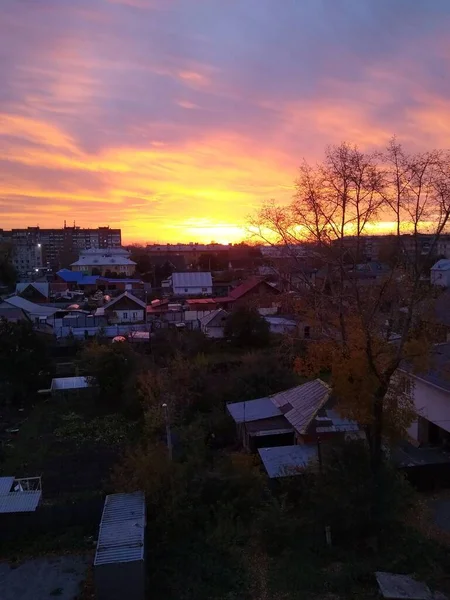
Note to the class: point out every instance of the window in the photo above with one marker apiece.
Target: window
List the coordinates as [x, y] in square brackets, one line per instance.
[406, 385]
[125, 315]
[186, 290]
[134, 316]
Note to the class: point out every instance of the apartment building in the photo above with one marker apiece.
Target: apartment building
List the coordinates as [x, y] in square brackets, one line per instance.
[59, 245]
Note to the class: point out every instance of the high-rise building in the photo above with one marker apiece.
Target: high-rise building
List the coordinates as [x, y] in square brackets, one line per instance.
[57, 247]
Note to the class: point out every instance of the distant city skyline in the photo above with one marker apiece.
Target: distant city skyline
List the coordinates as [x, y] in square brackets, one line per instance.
[174, 120]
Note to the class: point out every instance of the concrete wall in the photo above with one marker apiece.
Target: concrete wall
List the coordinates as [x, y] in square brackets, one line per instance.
[192, 291]
[432, 404]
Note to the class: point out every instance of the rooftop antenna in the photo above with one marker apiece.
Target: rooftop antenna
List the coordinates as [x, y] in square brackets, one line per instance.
[64, 223]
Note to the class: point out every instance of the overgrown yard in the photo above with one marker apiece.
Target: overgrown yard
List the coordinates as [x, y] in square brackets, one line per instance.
[70, 443]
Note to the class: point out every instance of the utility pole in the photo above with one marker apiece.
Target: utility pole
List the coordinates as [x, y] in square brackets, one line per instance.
[168, 431]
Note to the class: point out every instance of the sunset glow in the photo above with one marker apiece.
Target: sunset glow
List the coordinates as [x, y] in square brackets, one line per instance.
[176, 119]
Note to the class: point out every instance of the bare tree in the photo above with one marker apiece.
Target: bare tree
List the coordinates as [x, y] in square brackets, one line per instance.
[336, 204]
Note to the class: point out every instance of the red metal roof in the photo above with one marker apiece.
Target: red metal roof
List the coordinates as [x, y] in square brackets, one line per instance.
[200, 301]
[246, 287]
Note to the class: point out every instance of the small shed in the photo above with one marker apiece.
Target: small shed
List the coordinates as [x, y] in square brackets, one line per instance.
[285, 461]
[19, 495]
[260, 423]
[119, 564]
[63, 387]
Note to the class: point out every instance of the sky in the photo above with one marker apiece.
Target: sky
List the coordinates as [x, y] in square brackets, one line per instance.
[176, 119]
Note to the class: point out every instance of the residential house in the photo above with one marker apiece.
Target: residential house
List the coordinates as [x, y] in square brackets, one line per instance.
[76, 280]
[255, 291]
[34, 292]
[281, 325]
[292, 429]
[37, 313]
[102, 262]
[213, 324]
[191, 283]
[430, 391]
[280, 419]
[108, 284]
[440, 273]
[126, 308]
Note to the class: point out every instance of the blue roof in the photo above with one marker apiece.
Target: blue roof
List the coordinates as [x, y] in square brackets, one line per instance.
[253, 410]
[283, 461]
[77, 277]
[88, 280]
[70, 276]
[112, 280]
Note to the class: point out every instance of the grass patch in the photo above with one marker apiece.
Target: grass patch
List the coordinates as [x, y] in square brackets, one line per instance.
[58, 441]
[73, 540]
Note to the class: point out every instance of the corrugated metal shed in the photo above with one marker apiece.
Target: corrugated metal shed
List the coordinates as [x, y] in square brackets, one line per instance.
[122, 529]
[284, 461]
[14, 502]
[6, 484]
[338, 423]
[253, 410]
[191, 279]
[301, 404]
[69, 383]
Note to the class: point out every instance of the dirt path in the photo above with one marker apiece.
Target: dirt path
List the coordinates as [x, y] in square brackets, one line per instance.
[43, 578]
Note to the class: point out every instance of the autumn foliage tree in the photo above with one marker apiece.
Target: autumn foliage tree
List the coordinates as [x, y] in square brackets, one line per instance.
[366, 323]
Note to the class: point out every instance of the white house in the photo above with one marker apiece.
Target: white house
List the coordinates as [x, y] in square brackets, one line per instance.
[126, 308]
[431, 394]
[440, 273]
[191, 284]
[213, 324]
[114, 260]
[281, 325]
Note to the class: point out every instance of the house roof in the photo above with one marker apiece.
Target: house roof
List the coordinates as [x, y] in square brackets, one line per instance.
[29, 307]
[102, 261]
[70, 276]
[273, 320]
[253, 410]
[208, 319]
[77, 277]
[113, 280]
[301, 404]
[192, 301]
[191, 279]
[442, 265]
[332, 422]
[439, 372]
[41, 287]
[247, 286]
[17, 501]
[100, 311]
[176, 260]
[122, 529]
[69, 383]
[284, 461]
